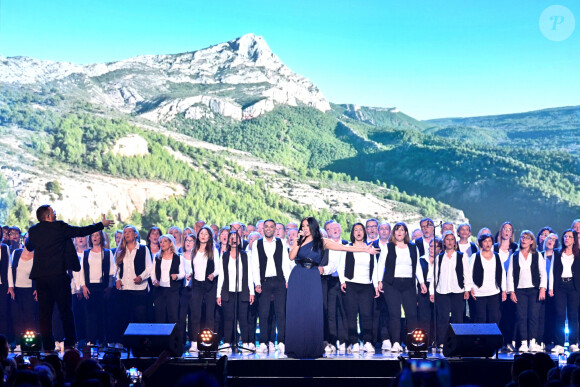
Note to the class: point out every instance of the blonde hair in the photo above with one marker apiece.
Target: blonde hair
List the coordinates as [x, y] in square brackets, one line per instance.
[172, 245]
[122, 249]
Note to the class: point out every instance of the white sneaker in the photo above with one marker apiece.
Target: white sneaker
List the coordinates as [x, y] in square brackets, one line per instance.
[535, 347]
[573, 348]
[558, 349]
[225, 348]
[193, 347]
[511, 347]
[271, 347]
[386, 345]
[281, 348]
[523, 347]
[252, 346]
[328, 349]
[369, 348]
[355, 348]
[396, 347]
[341, 347]
[262, 348]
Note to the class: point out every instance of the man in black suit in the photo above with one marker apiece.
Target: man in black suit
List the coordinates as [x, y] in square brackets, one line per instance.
[54, 258]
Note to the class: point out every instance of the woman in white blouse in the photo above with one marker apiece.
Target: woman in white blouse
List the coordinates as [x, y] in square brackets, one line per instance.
[235, 265]
[565, 287]
[24, 305]
[167, 276]
[488, 280]
[185, 316]
[398, 269]
[526, 283]
[205, 268]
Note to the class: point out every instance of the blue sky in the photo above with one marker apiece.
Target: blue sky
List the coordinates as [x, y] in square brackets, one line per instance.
[430, 59]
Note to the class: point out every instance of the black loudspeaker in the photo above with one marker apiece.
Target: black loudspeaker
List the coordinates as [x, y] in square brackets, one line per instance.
[149, 340]
[472, 340]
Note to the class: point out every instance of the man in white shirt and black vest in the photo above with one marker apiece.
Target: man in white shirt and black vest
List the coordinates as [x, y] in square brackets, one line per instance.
[271, 272]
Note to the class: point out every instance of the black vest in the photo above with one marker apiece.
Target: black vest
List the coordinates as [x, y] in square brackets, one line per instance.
[174, 269]
[458, 268]
[4, 258]
[535, 268]
[513, 247]
[324, 260]
[15, 259]
[105, 266]
[391, 261]
[245, 293]
[139, 261]
[209, 268]
[559, 268]
[263, 259]
[478, 271]
[349, 265]
[420, 247]
[472, 245]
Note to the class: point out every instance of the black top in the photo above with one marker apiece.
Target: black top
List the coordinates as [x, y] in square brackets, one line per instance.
[54, 251]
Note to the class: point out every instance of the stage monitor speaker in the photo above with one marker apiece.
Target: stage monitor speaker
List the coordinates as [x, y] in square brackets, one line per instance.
[472, 340]
[149, 340]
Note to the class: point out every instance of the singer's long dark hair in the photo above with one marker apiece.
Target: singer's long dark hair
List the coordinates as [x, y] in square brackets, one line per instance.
[317, 241]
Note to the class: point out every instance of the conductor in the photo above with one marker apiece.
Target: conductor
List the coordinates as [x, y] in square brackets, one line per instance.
[54, 259]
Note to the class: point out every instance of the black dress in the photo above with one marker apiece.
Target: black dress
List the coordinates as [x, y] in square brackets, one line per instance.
[304, 314]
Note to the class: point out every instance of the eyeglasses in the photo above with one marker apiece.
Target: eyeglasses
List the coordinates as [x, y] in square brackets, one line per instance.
[526, 237]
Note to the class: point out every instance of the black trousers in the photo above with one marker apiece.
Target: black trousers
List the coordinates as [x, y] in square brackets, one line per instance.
[358, 301]
[51, 291]
[24, 311]
[425, 311]
[528, 312]
[380, 320]
[402, 291]
[253, 320]
[230, 319]
[5, 320]
[486, 309]
[79, 311]
[273, 287]
[166, 305]
[96, 314]
[133, 307]
[547, 322]
[566, 299]
[335, 314]
[185, 317]
[451, 303]
[203, 291]
[508, 321]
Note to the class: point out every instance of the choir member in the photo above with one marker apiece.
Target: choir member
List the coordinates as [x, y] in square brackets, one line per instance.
[450, 286]
[399, 268]
[235, 291]
[526, 281]
[489, 282]
[96, 281]
[565, 288]
[185, 316]
[167, 276]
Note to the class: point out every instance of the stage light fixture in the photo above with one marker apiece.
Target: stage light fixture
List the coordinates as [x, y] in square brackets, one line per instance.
[207, 344]
[417, 343]
[30, 342]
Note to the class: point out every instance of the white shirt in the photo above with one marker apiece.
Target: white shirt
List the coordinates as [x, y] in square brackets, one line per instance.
[188, 269]
[269, 249]
[129, 270]
[567, 261]
[96, 268]
[362, 273]
[164, 281]
[232, 278]
[488, 287]
[22, 279]
[525, 280]
[75, 282]
[403, 265]
[466, 249]
[200, 264]
[447, 281]
[334, 258]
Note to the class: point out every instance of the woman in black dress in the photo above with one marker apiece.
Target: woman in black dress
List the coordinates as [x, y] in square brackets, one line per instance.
[304, 314]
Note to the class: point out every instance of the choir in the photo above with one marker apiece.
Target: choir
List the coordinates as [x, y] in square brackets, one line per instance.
[237, 277]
